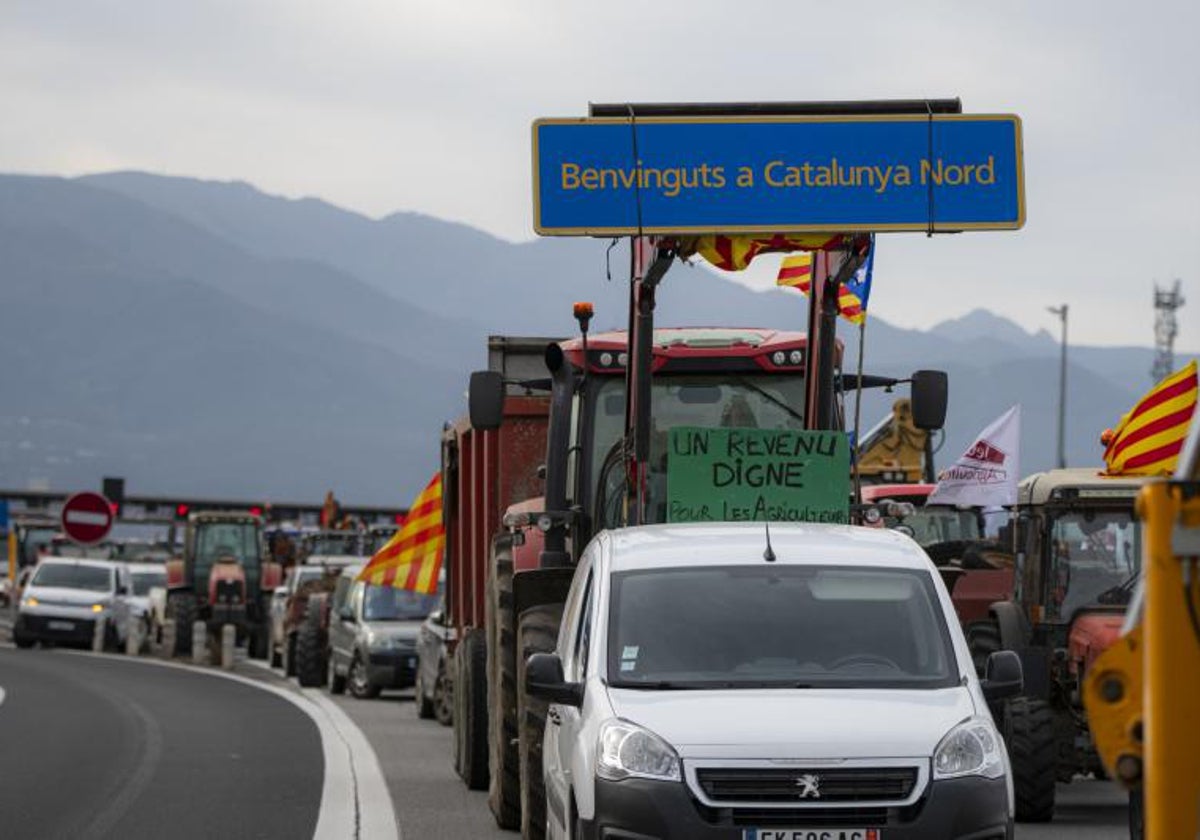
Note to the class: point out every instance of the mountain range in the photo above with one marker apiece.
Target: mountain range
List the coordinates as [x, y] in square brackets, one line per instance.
[201, 337]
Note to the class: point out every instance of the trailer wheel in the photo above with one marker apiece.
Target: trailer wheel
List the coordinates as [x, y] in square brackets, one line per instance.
[1029, 733]
[983, 639]
[256, 643]
[308, 645]
[538, 633]
[504, 788]
[471, 713]
[182, 607]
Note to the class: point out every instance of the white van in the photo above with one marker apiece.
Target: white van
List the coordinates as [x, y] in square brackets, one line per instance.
[707, 687]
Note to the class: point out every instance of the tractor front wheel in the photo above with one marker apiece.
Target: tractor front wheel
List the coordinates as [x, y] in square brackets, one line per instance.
[181, 606]
[1029, 733]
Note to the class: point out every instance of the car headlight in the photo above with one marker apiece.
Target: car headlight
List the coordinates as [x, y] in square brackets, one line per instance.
[29, 601]
[97, 608]
[380, 642]
[973, 748]
[626, 749]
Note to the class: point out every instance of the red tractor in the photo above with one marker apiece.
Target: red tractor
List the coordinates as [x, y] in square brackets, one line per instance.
[1057, 596]
[223, 578]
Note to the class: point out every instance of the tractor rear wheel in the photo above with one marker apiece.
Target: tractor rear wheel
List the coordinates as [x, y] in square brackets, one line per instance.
[538, 633]
[504, 789]
[983, 639]
[1029, 733]
[307, 649]
[181, 606]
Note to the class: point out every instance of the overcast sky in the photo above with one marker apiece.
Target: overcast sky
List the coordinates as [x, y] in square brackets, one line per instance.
[385, 105]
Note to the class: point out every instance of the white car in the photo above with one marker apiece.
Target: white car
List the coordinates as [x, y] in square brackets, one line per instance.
[704, 686]
[66, 597]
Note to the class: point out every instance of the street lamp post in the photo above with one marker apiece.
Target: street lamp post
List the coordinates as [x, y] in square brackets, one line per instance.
[1061, 312]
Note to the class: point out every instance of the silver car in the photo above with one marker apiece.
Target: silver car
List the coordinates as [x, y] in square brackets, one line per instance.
[66, 597]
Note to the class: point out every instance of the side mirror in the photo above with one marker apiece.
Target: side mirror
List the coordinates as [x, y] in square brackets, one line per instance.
[122, 589]
[544, 680]
[930, 394]
[346, 613]
[1003, 676]
[485, 400]
[437, 617]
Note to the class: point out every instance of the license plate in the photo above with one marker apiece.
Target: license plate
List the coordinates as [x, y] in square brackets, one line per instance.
[61, 625]
[812, 834]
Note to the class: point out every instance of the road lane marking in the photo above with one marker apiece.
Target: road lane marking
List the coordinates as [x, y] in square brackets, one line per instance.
[135, 784]
[355, 801]
[1, 696]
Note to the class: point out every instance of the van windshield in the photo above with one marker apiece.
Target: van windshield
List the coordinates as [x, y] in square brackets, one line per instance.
[72, 576]
[778, 626]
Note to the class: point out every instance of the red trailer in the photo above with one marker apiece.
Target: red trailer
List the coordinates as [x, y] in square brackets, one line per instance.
[484, 473]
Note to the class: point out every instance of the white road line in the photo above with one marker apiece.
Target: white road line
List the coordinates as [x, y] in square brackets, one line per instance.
[355, 802]
[1, 696]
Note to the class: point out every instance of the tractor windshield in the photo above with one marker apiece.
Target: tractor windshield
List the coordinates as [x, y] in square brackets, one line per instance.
[1095, 559]
[747, 401]
[938, 523]
[237, 539]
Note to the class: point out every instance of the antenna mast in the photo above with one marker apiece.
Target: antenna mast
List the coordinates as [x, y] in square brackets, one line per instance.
[1165, 330]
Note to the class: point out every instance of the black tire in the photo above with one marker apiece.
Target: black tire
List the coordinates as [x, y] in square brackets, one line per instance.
[181, 606]
[358, 679]
[471, 713]
[256, 643]
[1029, 733]
[276, 651]
[335, 681]
[443, 697]
[537, 631]
[424, 702]
[23, 642]
[1137, 814]
[289, 655]
[504, 788]
[308, 644]
[983, 639]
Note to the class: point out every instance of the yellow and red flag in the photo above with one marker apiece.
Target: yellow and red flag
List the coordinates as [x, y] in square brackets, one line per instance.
[412, 558]
[734, 253]
[796, 271]
[1148, 439]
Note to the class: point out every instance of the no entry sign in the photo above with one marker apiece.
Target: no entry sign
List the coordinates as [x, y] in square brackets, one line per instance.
[87, 517]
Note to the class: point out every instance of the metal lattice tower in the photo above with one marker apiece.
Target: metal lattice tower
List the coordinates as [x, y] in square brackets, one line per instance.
[1165, 330]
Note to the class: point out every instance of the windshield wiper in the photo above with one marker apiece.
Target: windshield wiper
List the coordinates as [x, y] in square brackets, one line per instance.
[652, 685]
[1120, 594]
[769, 397]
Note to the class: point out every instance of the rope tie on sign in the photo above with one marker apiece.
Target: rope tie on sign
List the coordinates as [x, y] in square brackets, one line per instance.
[929, 160]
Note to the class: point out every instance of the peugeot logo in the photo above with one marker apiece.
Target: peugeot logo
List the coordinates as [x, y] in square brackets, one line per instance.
[809, 785]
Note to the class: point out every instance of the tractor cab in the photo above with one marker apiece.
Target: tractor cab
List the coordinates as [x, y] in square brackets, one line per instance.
[1079, 548]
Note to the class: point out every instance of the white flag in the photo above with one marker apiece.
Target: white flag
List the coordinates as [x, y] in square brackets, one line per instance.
[986, 474]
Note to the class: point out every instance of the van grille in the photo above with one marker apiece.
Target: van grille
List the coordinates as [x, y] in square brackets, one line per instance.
[789, 785]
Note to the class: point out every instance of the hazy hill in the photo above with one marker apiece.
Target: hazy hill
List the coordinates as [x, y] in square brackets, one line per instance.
[206, 337]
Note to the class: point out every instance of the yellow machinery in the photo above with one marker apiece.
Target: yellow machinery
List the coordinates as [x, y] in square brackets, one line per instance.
[1143, 694]
[894, 451]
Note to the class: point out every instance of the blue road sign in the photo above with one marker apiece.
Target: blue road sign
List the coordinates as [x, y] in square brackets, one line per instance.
[776, 174]
[3, 515]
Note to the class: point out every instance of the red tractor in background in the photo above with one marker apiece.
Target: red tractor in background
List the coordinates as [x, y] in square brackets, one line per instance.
[223, 578]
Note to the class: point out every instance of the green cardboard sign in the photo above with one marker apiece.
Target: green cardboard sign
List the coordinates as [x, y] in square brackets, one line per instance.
[730, 475]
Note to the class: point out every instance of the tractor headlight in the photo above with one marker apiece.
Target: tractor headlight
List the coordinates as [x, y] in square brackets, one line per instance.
[973, 748]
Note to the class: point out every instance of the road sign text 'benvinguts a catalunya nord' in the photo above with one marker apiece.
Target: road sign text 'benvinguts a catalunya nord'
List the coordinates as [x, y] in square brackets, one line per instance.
[669, 175]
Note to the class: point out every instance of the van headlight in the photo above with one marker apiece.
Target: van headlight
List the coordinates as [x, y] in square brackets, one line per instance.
[626, 749]
[973, 748]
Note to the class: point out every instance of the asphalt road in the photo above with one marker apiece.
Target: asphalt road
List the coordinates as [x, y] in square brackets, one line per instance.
[99, 747]
[431, 802]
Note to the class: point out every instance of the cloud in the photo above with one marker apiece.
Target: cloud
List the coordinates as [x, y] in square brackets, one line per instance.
[384, 105]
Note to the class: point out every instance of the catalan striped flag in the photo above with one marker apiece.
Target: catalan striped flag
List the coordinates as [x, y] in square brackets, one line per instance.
[412, 558]
[1148, 439]
[796, 271]
[734, 253]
